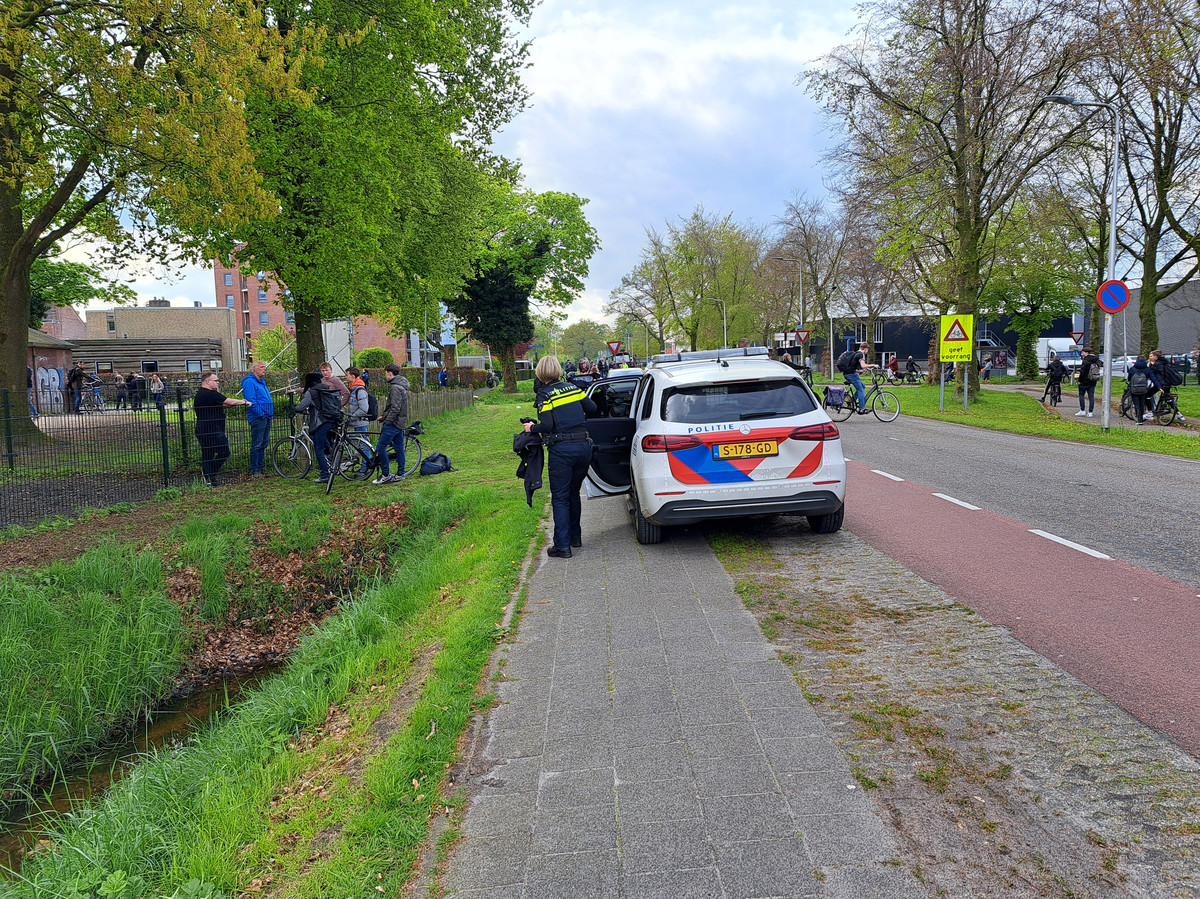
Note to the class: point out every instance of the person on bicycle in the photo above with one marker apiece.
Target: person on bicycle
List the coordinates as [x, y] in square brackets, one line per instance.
[1142, 385]
[893, 368]
[912, 370]
[859, 364]
[1055, 372]
[393, 420]
[1090, 371]
[324, 408]
[1165, 374]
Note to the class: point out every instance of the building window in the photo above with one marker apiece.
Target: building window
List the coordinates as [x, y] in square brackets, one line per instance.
[289, 317]
[229, 279]
[262, 276]
[860, 332]
[103, 366]
[262, 295]
[194, 365]
[262, 318]
[229, 300]
[112, 326]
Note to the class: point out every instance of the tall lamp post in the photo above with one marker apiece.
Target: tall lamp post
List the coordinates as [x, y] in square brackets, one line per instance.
[1106, 393]
[724, 321]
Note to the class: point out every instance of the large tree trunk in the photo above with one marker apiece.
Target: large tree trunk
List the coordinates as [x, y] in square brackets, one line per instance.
[310, 341]
[15, 264]
[508, 366]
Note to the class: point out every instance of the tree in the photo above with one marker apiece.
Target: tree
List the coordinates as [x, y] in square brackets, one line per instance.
[124, 121]
[56, 283]
[1150, 63]
[585, 338]
[277, 348]
[536, 252]
[943, 105]
[378, 177]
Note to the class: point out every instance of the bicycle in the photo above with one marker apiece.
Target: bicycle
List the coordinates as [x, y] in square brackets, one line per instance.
[413, 453]
[91, 400]
[1165, 411]
[1053, 391]
[884, 403]
[913, 377]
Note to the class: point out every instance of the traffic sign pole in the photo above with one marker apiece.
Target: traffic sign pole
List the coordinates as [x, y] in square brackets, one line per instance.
[1113, 296]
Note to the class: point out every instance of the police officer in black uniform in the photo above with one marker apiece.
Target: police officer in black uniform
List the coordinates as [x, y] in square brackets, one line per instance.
[562, 412]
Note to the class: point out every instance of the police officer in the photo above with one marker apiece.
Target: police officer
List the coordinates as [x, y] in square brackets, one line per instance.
[562, 412]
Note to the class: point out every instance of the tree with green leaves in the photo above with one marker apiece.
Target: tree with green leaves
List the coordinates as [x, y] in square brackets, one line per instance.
[536, 252]
[276, 347]
[585, 338]
[53, 282]
[124, 121]
[944, 109]
[380, 177]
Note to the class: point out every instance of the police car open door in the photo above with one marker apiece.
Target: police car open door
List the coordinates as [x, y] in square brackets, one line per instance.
[612, 432]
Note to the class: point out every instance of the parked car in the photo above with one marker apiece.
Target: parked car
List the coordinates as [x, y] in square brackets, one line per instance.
[715, 434]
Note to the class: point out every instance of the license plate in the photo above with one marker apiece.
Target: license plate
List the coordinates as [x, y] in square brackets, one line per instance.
[746, 450]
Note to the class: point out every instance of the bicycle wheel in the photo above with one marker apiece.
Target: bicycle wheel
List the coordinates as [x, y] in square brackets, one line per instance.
[412, 454]
[842, 412]
[1055, 394]
[886, 406]
[358, 459]
[1165, 411]
[291, 457]
[1127, 407]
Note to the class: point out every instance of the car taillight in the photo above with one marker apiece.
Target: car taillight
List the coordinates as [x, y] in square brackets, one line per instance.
[826, 431]
[667, 443]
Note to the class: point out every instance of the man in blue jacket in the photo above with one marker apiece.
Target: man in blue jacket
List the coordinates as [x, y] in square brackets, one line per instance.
[259, 415]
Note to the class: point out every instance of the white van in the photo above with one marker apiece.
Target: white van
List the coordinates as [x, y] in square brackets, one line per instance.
[1064, 348]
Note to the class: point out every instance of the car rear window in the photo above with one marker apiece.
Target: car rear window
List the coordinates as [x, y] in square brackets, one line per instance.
[736, 401]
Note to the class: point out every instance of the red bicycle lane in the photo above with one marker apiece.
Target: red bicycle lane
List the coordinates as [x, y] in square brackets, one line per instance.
[1130, 634]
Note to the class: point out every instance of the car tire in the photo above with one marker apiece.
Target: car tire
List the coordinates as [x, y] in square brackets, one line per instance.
[648, 533]
[827, 524]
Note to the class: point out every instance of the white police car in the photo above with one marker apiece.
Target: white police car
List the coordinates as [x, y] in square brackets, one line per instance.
[715, 434]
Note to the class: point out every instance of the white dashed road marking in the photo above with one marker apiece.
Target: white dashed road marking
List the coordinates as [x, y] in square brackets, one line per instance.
[957, 502]
[1083, 549]
[886, 475]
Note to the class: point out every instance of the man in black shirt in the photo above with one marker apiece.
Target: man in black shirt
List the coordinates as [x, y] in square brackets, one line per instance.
[209, 405]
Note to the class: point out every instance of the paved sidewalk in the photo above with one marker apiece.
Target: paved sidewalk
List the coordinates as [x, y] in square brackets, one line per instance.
[648, 743]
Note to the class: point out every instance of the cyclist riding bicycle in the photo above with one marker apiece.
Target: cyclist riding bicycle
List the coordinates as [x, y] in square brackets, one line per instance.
[1055, 372]
[1166, 375]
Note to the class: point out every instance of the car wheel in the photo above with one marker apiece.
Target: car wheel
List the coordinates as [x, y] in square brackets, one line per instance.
[647, 532]
[827, 524]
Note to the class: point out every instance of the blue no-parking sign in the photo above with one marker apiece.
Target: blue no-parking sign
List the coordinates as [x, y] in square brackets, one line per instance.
[1113, 296]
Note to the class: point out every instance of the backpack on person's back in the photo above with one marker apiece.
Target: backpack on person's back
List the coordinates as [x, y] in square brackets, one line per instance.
[1139, 382]
[845, 362]
[1093, 371]
[1171, 375]
[329, 404]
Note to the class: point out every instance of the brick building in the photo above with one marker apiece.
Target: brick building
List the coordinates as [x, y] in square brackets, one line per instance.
[258, 303]
[188, 338]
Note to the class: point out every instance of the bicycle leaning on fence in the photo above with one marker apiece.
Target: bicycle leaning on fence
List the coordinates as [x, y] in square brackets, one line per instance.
[883, 403]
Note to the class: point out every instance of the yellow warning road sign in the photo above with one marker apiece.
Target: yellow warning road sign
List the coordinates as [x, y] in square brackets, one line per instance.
[957, 338]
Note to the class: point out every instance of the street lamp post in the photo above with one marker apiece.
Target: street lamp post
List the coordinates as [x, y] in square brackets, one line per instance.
[1106, 392]
[724, 322]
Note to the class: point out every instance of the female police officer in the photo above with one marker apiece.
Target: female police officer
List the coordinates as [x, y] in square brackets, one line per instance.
[562, 411]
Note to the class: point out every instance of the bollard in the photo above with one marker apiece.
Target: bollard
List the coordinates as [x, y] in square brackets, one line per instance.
[166, 449]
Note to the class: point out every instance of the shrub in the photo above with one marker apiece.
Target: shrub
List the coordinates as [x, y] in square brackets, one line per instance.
[373, 357]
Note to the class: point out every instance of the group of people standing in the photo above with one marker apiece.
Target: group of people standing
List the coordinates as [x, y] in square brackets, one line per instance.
[324, 398]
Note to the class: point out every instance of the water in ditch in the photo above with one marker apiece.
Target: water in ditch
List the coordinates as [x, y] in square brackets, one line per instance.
[22, 827]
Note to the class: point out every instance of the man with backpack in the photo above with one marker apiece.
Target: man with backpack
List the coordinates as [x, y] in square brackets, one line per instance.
[1166, 375]
[850, 363]
[1142, 384]
[1090, 371]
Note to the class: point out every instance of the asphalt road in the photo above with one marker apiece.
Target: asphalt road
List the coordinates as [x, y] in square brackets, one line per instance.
[1140, 507]
[1056, 542]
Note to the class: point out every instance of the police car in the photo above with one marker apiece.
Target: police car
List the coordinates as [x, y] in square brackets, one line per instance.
[715, 434]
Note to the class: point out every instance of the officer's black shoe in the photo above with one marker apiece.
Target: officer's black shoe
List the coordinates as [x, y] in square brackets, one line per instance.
[577, 542]
[556, 553]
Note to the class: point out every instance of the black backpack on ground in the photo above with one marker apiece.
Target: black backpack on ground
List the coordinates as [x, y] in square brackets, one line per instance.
[436, 463]
[1139, 382]
[845, 362]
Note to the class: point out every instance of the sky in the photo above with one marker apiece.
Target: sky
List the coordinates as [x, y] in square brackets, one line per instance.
[649, 109]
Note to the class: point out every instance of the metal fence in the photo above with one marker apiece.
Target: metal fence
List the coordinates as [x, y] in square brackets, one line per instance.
[62, 462]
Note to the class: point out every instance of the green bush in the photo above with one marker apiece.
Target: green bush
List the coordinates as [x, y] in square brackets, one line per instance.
[373, 357]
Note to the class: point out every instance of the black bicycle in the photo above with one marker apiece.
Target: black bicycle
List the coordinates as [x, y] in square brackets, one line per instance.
[884, 403]
[1053, 391]
[1165, 411]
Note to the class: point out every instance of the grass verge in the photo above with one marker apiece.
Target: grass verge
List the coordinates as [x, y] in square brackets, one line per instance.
[328, 773]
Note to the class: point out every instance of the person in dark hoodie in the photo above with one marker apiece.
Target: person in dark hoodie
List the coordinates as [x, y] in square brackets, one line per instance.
[1142, 385]
[393, 420]
[324, 408]
[1088, 364]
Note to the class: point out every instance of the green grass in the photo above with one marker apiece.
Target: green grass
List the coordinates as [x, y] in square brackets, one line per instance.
[1019, 413]
[84, 645]
[208, 815]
